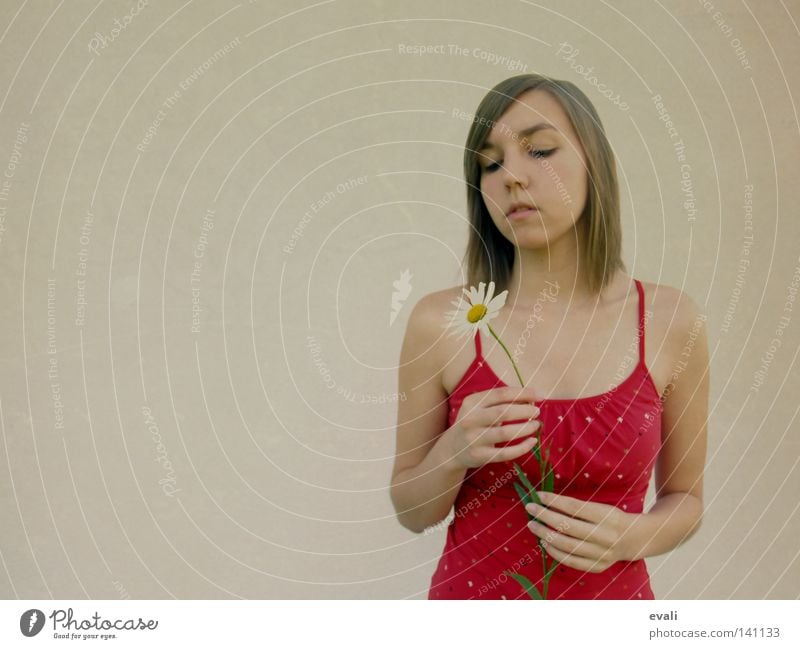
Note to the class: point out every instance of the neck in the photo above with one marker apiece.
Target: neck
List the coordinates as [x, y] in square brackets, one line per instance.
[554, 273]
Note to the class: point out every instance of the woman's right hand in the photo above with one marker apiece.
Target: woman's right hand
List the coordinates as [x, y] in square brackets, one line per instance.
[480, 426]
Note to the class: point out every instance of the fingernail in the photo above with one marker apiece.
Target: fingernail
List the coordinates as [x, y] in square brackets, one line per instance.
[532, 507]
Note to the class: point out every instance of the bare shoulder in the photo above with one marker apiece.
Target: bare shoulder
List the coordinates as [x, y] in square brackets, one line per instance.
[429, 314]
[685, 398]
[422, 414]
[426, 332]
[674, 312]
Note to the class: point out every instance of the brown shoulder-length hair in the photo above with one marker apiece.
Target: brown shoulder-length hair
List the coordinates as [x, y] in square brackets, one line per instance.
[489, 255]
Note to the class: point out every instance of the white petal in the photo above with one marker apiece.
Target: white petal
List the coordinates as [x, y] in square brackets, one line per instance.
[481, 292]
[490, 293]
[461, 329]
[498, 302]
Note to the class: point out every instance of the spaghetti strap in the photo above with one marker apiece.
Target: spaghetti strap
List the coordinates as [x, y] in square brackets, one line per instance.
[612, 455]
[641, 321]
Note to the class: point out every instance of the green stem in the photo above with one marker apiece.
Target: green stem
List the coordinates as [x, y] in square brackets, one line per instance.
[544, 586]
[537, 453]
[543, 469]
[497, 338]
[548, 573]
[544, 564]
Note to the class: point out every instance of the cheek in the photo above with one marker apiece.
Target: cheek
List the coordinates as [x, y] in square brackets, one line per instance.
[569, 175]
[490, 193]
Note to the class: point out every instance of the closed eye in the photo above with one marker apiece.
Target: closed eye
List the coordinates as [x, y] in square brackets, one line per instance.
[534, 153]
[540, 154]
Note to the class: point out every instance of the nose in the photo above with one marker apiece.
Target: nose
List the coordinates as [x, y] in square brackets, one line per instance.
[514, 170]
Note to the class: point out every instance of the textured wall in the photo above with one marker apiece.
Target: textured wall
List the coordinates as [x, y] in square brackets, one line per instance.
[205, 208]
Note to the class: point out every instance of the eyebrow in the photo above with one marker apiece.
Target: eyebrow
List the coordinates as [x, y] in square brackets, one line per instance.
[522, 134]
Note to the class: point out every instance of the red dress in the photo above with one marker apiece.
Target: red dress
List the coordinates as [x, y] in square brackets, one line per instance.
[603, 448]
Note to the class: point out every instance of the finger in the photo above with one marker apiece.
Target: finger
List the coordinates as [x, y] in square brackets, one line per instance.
[507, 453]
[506, 394]
[574, 527]
[510, 413]
[583, 509]
[579, 563]
[601, 517]
[510, 432]
[575, 547]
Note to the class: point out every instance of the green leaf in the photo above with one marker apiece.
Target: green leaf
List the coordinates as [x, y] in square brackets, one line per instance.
[523, 478]
[531, 490]
[551, 569]
[526, 499]
[526, 583]
[547, 574]
[549, 480]
[523, 495]
[543, 552]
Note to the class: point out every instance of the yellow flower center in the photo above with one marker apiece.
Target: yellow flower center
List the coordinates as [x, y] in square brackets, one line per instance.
[476, 313]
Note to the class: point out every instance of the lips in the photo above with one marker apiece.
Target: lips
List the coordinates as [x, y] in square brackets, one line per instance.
[519, 207]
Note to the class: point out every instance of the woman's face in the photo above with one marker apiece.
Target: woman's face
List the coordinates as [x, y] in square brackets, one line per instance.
[542, 167]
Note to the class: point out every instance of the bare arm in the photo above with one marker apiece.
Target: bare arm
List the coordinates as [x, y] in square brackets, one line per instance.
[678, 510]
[432, 460]
[424, 494]
[595, 535]
[425, 481]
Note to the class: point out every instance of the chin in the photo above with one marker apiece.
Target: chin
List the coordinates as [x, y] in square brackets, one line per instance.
[533, 243]
[528, 237]
[533, 236]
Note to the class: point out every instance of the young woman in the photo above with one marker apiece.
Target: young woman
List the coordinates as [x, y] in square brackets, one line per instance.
[544, 212]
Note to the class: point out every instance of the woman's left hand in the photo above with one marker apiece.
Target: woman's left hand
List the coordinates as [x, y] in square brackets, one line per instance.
[584, 535]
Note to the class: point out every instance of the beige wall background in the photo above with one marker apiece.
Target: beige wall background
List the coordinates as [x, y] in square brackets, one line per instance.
[205, 208]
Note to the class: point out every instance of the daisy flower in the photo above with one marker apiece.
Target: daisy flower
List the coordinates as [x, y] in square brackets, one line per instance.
[473, 315]
[476, 312]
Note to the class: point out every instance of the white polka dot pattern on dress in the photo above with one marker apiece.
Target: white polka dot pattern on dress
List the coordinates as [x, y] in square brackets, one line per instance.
[583, 451]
